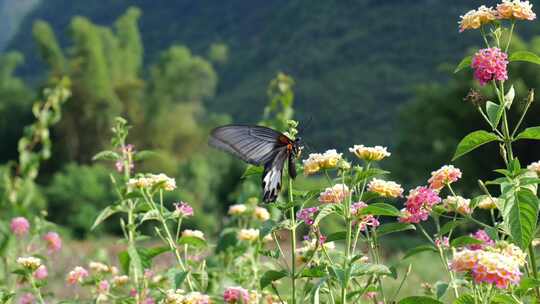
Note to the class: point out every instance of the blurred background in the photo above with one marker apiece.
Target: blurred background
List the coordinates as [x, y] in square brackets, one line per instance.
[373, 72]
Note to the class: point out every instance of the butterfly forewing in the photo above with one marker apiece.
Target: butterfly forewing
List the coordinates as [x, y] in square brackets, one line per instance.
[258, 146]
[253, 144]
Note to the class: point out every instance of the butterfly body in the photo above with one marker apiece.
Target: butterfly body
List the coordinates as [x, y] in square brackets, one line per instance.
[260, 146]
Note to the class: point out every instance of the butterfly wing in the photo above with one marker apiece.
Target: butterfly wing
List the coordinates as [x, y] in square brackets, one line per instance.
[253, 144]
[271, 180]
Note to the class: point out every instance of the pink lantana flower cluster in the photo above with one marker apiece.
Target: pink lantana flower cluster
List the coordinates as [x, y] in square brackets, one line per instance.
[307, 215]
[233, 295]
[444, 176]
[363, 221]
[481, 235]
[420, 202]
[498, 265]
[490, 64]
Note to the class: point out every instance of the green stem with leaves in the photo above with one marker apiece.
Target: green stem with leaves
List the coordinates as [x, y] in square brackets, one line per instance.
[293, 242]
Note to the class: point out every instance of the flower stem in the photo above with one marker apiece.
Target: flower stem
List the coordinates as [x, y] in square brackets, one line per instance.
[534, 269]
[36, 289]
[293, 242]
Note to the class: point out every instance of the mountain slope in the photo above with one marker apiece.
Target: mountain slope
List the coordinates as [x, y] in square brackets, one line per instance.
[354, 62]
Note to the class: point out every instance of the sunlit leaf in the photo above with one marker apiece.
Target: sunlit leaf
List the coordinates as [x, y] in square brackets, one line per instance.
[394, 227]
[524, 56]
[472, 141]
[529, 133]
[419, 249]
[271, 276]
[465, 62]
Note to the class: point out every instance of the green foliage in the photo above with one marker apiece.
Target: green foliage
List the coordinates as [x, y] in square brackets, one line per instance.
[77, 194]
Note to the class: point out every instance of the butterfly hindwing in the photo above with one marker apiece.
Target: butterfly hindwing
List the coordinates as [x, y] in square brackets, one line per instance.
[271, 179]
[253, 144]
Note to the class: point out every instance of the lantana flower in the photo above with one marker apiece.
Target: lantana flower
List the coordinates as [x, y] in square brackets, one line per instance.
[443, 242]
[444, 176]
[317, 161]
[307, 215]
[98, 267]
[77, 275]
[376, 153]
[120, 280]
[458, 204]
[53, 240]
[365, 220]
[261, 214]
[335, 194]
[420, 202]
[490, 64]
[474, 19]
[30, 263]
[193, 233]
[19, 226]
[385, 188]
[183, 209]
[236, 295]
[41, 273]
[481, 235]
[179, 296]
[237, 209]
[487, 203]
[248, 234]
[515, 9]
[534, 167]
[150, 180]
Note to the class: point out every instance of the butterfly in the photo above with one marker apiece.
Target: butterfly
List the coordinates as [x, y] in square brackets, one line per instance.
[260, 146]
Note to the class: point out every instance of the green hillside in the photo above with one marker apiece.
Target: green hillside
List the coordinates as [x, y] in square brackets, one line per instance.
[355, 62]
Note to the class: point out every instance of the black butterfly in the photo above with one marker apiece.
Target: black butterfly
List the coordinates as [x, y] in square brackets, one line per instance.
[258, 146]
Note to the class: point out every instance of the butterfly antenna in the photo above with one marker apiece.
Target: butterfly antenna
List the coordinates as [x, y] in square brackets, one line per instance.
[305, 126]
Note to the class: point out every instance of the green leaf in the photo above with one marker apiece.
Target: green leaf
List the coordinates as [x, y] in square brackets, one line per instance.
[464, 241]
[176, 277]
[419, 249]
[148, 254]
[336, 236]
[465, 299]
[504, 299]
[315, 297]
[252, 170]
[267, 227]
[272, 276]
[524, 56]
[450, 226]
[106, 155]
[494, 113]
[123, 258]
[530, 133]
[465, 62]
[419, 300]
[314, 272]
[363, 269]
[135, 263]
[226, 240]
[326, 211]
[394, 227]
[104, 214]
[527, 284]
[145, 154]
[472, 141]
[440, 289]
[380, 209]
[520, 215]
[192, 241]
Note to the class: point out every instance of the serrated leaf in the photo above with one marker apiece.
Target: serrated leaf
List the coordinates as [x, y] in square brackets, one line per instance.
[192, 241]
[394, 227]
[494, 113]
[363, 269]
[326, 211]
[529, 133]
[380, 209]
[465, 62]
[105, 214]
[271, 276]
[450, 226]
[419, 249]
[176, 277]
[472, 141]
[524, 56]
[145, 154]
[464, 241]
[520, 215]
[106, 155]
[314, 272]
[465, 299]
[419, 300]
[440, 289]
[336, 236]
